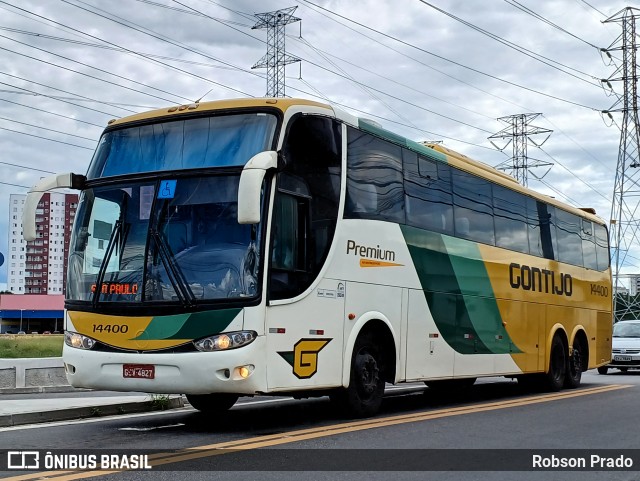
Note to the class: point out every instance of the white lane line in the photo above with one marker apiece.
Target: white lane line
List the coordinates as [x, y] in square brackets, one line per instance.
[152, 428]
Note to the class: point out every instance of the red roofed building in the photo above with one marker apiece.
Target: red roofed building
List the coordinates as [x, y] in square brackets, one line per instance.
[31, 313]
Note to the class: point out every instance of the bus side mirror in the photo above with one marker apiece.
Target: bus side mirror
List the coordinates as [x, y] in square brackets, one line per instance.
[57, 181]
[251, 185]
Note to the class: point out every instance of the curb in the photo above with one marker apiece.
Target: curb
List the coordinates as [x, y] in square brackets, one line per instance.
[9, 420]
[41, 389]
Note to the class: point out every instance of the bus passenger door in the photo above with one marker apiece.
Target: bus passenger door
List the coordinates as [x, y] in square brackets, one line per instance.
[304, 327]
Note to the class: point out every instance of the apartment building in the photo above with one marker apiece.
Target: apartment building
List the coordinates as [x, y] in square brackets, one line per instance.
[39, 267]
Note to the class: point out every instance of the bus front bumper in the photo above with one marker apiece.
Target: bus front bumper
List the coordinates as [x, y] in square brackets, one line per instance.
[168, 373]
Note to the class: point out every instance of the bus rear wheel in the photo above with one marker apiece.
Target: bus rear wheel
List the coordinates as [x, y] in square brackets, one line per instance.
[363, 397]
[574, 367]
[557, 365]
[212, 403]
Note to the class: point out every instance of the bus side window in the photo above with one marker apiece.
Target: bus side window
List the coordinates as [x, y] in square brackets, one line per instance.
[375, 187]
[285, 233]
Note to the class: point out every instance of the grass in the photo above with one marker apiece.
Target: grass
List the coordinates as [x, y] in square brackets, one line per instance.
[27, 345]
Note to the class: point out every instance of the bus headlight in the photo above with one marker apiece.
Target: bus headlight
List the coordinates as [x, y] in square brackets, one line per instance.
[73, 339]
[228, 340]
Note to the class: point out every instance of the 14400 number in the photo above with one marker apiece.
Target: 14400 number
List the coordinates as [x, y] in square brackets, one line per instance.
[113, 328]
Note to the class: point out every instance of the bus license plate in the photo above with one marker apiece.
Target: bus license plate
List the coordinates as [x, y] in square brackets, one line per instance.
[622, 358]
[140, 371]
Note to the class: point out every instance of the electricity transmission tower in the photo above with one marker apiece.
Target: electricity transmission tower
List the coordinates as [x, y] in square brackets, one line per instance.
[625, 209]
[519, 131]
[276, 58]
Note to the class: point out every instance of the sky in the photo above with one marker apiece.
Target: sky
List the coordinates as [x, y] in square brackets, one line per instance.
[439, 70]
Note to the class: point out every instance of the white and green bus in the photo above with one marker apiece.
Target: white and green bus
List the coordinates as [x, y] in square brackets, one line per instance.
[282, 246]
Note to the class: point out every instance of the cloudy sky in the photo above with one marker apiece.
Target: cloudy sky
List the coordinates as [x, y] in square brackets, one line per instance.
[428, 69]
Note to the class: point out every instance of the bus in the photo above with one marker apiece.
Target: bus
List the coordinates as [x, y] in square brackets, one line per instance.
[285, 247]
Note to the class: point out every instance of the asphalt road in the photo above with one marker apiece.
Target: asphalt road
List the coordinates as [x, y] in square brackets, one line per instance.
[415, 431]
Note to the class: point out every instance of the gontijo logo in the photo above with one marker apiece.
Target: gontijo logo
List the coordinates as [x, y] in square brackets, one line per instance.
[372, 256]
[304, 357]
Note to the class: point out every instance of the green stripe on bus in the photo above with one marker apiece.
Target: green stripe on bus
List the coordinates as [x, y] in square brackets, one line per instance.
[457, 289]
[189, 326]
[367, 126]
[478, 294]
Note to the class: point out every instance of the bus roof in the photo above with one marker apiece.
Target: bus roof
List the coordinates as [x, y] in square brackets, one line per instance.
[279, 103]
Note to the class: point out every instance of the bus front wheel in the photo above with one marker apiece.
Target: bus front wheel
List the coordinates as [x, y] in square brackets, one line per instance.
[212, 403]
[366, 381]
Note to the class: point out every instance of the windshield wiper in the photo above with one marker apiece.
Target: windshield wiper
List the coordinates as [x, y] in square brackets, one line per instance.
[174, 273]
[118, 238]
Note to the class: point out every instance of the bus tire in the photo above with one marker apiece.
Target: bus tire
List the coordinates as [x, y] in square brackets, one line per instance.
[603, 370]
[212, 403]
[366, 381]
[557, 365]
[574, 367]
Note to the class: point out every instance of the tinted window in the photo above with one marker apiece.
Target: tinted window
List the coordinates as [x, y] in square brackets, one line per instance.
[374, 178]
[602, 246]
[568, 230]
[546, 222]
[533, 228]
[306, 204]
[473, 208]
[218, 141]
[428, 193]
[510, 210]
[588, 245]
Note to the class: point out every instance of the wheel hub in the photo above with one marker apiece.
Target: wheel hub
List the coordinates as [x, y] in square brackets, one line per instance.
[368, 371]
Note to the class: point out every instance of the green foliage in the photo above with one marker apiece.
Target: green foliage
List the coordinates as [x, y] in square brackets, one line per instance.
[159, 401]
[27, 345]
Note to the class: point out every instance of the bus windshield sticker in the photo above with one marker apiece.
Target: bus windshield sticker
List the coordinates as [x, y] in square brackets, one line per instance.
[167, 189]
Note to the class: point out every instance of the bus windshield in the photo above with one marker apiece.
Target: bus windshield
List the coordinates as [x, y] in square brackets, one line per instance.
[203, 142]
[169, 240]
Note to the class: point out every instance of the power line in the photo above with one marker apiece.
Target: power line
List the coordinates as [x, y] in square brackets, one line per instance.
[345, 76]
[45, 128]
[452, 61]
[53, 88]
[115, 49]
[369, 114]
[516, 47]
[51, 113]
[377, 74]
[126, 49]
[95, 68]
[594, 8]
[46, 138]
[16, 185]
[28, 168]
[528, 11]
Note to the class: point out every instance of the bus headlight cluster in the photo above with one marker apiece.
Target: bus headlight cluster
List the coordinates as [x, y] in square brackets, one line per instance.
[228, 340]
[73, 339]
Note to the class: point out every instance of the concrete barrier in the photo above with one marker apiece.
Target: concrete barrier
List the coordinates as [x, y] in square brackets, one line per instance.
[32, 373]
